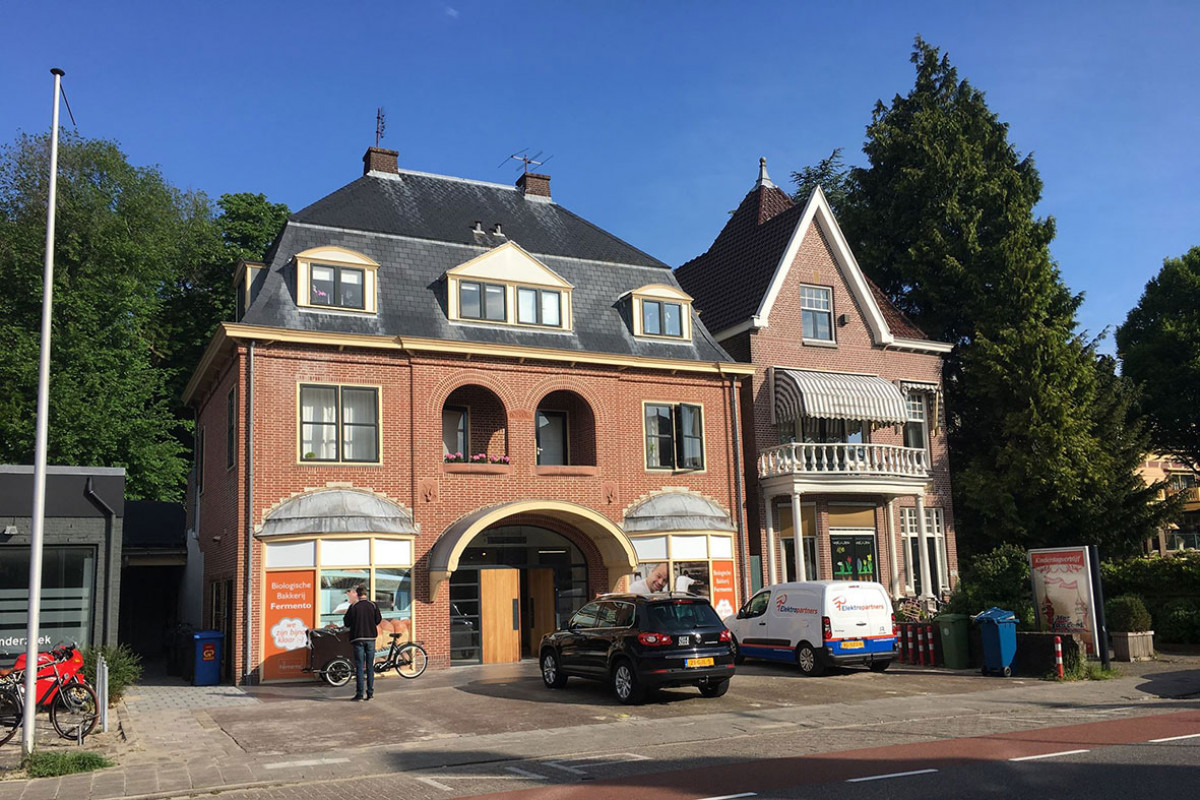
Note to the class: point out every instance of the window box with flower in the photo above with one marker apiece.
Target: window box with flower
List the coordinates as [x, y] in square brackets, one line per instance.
[478, 463]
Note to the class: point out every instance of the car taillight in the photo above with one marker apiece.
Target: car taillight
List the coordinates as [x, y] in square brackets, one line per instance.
[654, 639]
[895, 630]
[826, 628]
[726, 636]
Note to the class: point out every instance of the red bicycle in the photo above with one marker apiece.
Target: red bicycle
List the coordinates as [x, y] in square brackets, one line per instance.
[61, 689]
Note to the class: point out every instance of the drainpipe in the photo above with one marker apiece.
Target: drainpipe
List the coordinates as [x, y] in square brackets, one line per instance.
[249, 646]
[739, 495]
[109, 515]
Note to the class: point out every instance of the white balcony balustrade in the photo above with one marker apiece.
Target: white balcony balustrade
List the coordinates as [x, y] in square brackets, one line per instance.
[867, 460]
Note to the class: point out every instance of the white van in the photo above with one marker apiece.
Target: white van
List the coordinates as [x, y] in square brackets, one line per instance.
[817, 623]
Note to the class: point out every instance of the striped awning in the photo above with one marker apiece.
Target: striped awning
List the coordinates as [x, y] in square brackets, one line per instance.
[835, 395]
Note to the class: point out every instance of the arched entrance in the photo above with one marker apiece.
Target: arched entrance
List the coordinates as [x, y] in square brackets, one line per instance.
[515, 570]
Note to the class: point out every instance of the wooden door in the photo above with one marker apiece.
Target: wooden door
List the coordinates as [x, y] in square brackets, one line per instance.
[500, 614]
[541, 606]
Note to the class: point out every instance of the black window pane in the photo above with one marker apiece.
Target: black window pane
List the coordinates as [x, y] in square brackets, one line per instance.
[469, 301]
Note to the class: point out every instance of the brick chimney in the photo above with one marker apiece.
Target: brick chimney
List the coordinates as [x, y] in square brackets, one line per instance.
[533, 184]
[376, 159]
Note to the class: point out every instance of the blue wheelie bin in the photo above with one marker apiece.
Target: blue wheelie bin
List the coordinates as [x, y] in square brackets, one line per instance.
[998, 632]
[207, 671]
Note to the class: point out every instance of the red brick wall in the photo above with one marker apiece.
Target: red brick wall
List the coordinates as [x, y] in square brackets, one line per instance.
[780, 344]
[503, 397]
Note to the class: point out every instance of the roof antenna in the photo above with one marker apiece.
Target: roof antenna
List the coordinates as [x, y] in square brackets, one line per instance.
[525, 160]
[380, 124]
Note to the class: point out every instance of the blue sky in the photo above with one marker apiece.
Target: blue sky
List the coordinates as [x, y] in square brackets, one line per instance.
[655, 113]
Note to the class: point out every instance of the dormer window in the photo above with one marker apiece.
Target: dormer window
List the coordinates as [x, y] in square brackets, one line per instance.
[539, 307]
[507, 286]
[336, 286]
[485, 301]
[336, 279]
[662, 312]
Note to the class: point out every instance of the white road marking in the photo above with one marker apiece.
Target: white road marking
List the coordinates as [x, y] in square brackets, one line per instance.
[613, 758]
[774, 725]
[533, 776]
[1050, 755]
[436, 784]
[312, 762]
[1176, 738]
[892, 775]
[731, 796]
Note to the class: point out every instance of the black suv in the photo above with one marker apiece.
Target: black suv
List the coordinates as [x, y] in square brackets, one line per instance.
[641, 642]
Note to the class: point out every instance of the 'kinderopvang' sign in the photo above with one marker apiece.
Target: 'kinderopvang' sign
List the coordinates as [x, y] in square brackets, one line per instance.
[1063, 592]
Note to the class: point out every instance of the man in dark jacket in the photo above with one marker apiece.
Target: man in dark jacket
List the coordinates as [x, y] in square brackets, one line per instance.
[363, 618]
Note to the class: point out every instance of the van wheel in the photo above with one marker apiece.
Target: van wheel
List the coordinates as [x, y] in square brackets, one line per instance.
[738, 658]
[809, 660]
[879, 666]
[625, 684]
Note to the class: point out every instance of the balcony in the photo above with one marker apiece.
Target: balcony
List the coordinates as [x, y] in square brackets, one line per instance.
[843, 468]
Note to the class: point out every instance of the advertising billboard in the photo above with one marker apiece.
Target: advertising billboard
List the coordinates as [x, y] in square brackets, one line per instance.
[1063, 592]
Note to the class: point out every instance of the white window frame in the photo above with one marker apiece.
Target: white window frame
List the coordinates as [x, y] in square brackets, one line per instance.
[935, 524]
[807, 306]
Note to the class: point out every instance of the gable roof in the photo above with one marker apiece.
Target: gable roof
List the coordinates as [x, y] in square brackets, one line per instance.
[737, 280]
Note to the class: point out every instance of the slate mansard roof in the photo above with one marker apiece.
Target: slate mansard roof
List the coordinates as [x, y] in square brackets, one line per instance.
[417, 226]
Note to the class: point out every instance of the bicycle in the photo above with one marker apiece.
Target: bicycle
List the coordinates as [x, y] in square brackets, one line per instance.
[408, 659]
[72, 703]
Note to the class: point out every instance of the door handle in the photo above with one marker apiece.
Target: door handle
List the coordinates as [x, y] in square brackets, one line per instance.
[762, 623]
[516, 614]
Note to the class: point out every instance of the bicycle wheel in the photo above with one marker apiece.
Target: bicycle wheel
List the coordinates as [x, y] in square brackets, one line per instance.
[74, 710]
[411, 660]
[10, 714]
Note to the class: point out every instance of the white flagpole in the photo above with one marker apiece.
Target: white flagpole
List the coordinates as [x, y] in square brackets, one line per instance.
[39, 458]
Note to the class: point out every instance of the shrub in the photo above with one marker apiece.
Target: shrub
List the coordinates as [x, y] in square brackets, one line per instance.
[1179, 622]
[124, 669]
[1127, 613]
[997, 578]
[53, 764]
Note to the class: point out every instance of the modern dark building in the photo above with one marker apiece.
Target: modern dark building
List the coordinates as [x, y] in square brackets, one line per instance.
[81, 557]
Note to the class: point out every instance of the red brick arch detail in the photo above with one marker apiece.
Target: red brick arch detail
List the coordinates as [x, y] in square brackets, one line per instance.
[558, 383]
[443, 389]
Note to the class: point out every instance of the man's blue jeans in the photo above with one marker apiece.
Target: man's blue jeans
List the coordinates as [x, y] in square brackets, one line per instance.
[364, 661]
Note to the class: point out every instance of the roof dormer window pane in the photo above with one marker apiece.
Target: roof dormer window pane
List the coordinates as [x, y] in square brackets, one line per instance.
[493, 303]
[651, 318]
[551, 309]
[469, 306]
[351, 288]
[672, 319]
[324, 280]
[527, 306]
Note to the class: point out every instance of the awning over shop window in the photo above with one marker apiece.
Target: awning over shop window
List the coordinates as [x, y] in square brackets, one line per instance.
[835, 395]
[337, 511]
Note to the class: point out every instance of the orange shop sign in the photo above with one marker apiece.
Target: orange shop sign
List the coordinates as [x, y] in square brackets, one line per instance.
[724, 596]
[289, 610]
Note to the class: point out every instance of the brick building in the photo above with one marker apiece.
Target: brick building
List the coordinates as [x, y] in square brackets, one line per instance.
[842, 418]
[473, 401]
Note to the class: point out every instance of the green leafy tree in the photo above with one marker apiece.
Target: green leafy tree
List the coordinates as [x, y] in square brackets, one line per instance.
[200, 294]
[120, 231]
[1043, 441]
[1160, 349]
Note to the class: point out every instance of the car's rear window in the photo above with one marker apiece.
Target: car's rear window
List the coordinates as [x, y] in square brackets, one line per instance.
[680, 615]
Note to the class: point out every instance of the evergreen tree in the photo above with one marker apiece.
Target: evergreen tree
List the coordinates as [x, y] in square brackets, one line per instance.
[1160, 349]
[1043, 446]
[832, 175]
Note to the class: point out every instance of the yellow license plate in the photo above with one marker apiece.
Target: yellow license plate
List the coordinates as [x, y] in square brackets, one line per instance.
[697, 662]
[855, 645]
